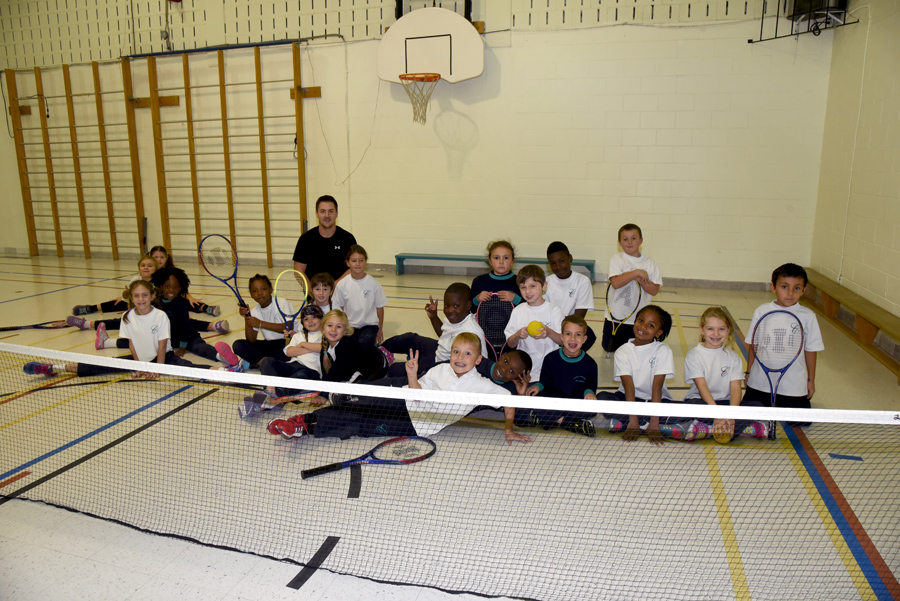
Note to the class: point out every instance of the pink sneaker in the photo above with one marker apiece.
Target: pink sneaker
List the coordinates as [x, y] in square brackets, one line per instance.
[226, 353]
[102, 337]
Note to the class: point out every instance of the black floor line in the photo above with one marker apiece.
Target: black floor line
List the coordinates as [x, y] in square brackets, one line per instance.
[7, 497]
[315, 563]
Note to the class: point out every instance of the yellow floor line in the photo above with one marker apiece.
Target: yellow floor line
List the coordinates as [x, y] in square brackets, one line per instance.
[853, 569]
[681, 338]
[729, 538]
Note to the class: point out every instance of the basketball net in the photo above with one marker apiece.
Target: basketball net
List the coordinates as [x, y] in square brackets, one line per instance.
[418, 87]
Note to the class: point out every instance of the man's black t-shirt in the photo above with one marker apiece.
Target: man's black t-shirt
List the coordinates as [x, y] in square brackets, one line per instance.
[324, 254]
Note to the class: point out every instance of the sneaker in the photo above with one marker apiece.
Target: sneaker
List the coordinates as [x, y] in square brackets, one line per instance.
[674, 431]
[83, 309]
[584, 427]
[102, 337]
[293, 427]
[616, 425]
[337, 399]
[222, 326]
[227, 354]
[388, 356]
[78, 322]
[533, 420]
[696, 431]
[236, 369]
[248, 408]
[213, 310]
[35, 368]
[756, 430]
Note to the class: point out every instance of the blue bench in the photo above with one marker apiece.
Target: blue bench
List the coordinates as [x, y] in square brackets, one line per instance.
[587, 264]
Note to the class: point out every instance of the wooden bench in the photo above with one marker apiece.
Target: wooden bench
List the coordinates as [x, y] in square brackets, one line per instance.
[587, 264]
[868, 317]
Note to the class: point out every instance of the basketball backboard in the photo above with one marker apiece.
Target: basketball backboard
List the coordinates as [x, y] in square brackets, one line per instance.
[431, 40]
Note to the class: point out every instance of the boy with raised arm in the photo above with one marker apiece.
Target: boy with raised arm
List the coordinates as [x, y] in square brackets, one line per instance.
[458, 318]
[625, 267]
[370, 416]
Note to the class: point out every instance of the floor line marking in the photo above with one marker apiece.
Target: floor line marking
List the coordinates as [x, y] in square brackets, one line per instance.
[313, 564]
[681, 338]
[18, 476]
[109, 445]
[879, 576]
[55, 405]
[726, 524]
[96, 431]
[36, 389]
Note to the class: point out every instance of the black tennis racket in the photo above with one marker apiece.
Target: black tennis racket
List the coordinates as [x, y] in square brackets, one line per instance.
[402, 450]
[291, 292]
[493, 315]
[47, 325]
[219, 258]
[621, 303]
[777, 341]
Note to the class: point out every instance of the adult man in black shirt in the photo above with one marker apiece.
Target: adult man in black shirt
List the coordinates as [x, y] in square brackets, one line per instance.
[324, 248]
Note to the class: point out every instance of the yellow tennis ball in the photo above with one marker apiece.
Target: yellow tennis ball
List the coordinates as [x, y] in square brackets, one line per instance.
[722, 437]
[535, 328]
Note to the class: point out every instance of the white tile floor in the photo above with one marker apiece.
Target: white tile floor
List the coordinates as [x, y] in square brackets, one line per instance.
[49, 553]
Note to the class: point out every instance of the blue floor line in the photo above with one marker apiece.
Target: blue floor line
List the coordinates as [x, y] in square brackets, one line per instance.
[862, 558]
[91, 434]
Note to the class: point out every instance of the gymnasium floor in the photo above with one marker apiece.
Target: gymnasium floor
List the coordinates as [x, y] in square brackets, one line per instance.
[48, 553]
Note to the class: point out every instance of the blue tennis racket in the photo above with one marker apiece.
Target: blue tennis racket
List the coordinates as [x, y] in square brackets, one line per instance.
[219, 258]
[402, 450]
[777, 341]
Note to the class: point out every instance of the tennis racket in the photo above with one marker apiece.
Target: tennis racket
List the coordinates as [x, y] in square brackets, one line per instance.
[493, 315]
[402, 450]
[777, 341]
[219, 258]
[292, 287]
[621, 303]
[47, 325]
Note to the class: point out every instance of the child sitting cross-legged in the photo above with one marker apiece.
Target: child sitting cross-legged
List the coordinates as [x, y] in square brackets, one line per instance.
[567, 373]
[643, 365]
[395, 417]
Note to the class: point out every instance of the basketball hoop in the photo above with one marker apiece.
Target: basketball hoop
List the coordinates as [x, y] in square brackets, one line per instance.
[419, 87]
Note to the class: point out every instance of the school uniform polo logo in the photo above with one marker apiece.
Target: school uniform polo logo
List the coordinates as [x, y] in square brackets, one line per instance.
[153, 329]
[366, 293]
[725, 371]
[571, 293]
[652, 361]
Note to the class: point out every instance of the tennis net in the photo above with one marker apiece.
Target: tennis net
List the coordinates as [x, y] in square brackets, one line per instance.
[811, 515]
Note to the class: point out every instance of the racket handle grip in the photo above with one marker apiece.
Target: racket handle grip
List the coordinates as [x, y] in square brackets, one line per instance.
[318, 471]
[772, 430]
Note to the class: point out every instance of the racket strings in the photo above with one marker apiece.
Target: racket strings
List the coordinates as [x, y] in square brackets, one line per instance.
[292, 287]
[218, 260]
[493, 315]
[777, 340]
[402, 450]
[623, 301]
